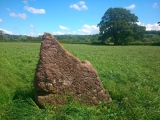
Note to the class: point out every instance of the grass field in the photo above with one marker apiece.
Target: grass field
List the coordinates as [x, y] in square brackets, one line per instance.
[131, 74]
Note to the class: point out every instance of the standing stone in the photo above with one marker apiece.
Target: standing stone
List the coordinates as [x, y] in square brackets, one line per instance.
[60, 75]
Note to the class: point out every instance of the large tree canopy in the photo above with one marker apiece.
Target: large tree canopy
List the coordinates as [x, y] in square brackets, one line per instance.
[120, 26]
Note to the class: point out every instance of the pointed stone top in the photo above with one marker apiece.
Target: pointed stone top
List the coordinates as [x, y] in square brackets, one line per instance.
[47, 36]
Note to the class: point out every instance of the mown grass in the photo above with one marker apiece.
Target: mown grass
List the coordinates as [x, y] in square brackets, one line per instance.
[129, 73]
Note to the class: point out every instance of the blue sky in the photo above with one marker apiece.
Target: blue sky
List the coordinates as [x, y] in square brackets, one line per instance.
[34, 17]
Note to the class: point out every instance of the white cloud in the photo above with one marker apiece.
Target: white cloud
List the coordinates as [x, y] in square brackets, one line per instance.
[81, 5]
[72, 33]
[155, 5]
[8, 9]
[130, 6]
[139, 23]
[64, 28]
[58, 33]
[31, 30]
[23, 16]
[149, 27]
[64, 33]
[154, 26]
[1, 20]
[20, 15]
[25, 2]
[13, 14]
[6, 31]
[87, 29]
[31, 26]
[34, 10]
[40, 34]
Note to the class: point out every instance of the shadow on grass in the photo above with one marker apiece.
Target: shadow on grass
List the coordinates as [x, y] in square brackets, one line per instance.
[24, 93]
[129, 44]
[100, 44]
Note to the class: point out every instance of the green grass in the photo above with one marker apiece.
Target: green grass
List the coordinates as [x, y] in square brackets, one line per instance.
[131, 74]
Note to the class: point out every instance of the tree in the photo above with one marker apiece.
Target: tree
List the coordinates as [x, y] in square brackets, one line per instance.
[1, 35]
[138, 31]
[159, 25]
[120, 26]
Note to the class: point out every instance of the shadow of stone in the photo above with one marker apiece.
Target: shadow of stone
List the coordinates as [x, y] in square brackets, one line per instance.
[24, 93]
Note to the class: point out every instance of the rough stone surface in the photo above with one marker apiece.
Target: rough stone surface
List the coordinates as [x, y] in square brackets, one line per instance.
[60, 75]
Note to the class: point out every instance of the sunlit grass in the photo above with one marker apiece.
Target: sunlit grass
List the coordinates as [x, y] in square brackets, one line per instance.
[129, 73]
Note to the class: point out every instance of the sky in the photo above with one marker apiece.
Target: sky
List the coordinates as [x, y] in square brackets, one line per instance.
[58, 17]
